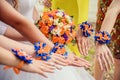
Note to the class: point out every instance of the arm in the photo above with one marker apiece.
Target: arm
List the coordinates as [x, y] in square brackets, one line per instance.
[103, 53]
[10, 16]
[13, 34]
[40, 67]
[110, 17]
[6, 57]
[9, 44]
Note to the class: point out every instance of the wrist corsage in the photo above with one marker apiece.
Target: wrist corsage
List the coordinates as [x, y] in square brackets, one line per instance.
[25, 58]
[42, 51]
[86, 29]
[102, 37]
[59, 49]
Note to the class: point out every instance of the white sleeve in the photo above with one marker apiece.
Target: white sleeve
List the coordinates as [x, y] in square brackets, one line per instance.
[3, 28]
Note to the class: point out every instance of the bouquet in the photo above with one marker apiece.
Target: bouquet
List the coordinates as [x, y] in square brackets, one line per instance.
[57, 26]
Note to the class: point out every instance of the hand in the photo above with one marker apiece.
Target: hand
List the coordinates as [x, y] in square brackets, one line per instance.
[82, 42]
[76, 61]
[47, 3]
[39, 66]
[57, 59]
[104, 56]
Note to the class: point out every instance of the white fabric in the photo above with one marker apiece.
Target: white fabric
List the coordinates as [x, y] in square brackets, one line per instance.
[67, 73]
[3, 28]
[25, 7]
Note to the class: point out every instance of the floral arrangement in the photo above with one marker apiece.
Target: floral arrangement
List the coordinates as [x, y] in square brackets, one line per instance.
[102, 37]
[86, 29]
[44, 52]
[57, 26]
[22, 55]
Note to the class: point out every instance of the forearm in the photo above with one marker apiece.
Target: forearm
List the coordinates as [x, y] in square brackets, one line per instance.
[20, 23]
[110, 16]
[10, 44]
[13, 34]
[7, 58]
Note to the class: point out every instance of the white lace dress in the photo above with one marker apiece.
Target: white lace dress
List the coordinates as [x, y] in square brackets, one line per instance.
[67, 73]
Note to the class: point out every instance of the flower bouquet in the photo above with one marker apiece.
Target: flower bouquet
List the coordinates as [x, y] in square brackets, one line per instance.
[57, 26]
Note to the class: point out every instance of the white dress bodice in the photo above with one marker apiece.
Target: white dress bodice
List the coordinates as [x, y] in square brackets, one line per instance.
[25, 7]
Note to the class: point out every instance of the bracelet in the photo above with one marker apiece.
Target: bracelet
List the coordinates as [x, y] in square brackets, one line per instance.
[19, 53]
[59, 49]
[42, 51]
[102, 37]
[86, 28]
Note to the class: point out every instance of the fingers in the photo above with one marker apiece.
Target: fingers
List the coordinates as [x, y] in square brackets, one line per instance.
[86, 46]
[77, 58]
[108, 62]
[110, 55]
[100, 62]
[58, 67]
[36, 69]
[59, 59]
[83, 47]
[46, 69]
[55, 65]
[62, 57]
[80, 64]
[47, 64]
[75, 63]
[60, 63]
[83, 61]
[42, 73]
[104, 57]
[105, 61]
[79, 47]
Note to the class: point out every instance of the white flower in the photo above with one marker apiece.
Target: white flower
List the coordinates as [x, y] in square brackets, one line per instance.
[67, 26]
[56, 31]
[69, 19]
[51, 19]
[60, 24]
[56, 21]
[60, 13]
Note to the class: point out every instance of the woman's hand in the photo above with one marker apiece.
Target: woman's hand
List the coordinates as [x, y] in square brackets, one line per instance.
[82, 42]
[104, 56]
[47, 3]
[39, 66]
[58, 60]
[76, 61]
